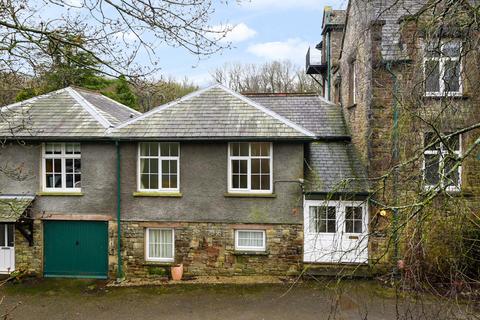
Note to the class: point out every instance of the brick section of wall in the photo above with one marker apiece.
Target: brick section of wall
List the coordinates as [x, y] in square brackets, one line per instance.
[208, 249]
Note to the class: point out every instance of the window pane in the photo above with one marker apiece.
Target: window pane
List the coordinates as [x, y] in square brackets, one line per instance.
[144, 181]
[265, 182]
[452, 76]
[430, 137]
[453, 143]
[153, 165]
[48, 165]
[72, 148]
[144, 166]
[2, 235]
[77, 166]
[154, 181]
[174, 149]
[165, 181]
[432, 76]
[144, 149]
[331, 213]
[78, 181]
[69, 165]
[451, 48]
[10, 234]
[49, 180]
[235, 181]
[58, 180]
[165, 149]
[256, 149]
[432, 49]
[358, 226]
[452, 179]
[432, 176]
[244, 149]
[173, 166]
[236, 166]
[250, 239]
[265, 149]
[173, 181]
[255, 166]
[165, 166]
[57, 165]
[255, 182]
[53, 148]
[265, 165]
[235, 149]
[349, 226]
[313, 219]
[243, 182]
[358, 213]
[69, 180]
[160, 243]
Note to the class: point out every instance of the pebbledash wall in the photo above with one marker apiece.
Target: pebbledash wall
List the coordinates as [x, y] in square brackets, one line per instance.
[209, 249]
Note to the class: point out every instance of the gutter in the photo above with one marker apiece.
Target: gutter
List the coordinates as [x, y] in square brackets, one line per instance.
[120, 275]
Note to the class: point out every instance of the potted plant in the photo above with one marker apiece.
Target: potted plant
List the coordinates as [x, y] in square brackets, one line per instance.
[177, 271]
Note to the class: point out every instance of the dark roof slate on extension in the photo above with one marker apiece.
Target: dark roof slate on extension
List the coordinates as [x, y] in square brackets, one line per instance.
[311, 111]
[334, 167]
[209, 114]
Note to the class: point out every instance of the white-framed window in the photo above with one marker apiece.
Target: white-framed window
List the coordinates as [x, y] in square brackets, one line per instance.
[250, 240]
[323, 219]
[61, 167]
[250, 167]
[160, 244]
[442, 68]
[439, 160]
[158, 166]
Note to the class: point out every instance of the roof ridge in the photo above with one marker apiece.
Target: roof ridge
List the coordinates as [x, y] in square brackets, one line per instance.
[162, 107]
[90, 108]
[268, 111]
[106, 97]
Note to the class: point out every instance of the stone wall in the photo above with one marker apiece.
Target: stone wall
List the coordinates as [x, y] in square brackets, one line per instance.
[208, 249]
[28, 258]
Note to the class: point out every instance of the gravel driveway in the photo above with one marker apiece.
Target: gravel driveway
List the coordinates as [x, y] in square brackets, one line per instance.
[76, 299]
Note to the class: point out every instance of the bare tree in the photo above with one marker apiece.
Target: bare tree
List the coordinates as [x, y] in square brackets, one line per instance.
[275, 76]
[114, 33]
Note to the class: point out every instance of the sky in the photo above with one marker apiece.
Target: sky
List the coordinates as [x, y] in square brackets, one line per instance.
[264, 30]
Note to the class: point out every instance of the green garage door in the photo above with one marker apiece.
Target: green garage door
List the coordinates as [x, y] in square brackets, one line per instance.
[76, 249]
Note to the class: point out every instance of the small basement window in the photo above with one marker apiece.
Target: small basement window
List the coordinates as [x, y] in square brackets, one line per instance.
[160, 245]
[250, 240]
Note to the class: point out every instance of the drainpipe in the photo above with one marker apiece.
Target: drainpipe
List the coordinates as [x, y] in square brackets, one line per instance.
[395, 158]
[120, 276]
[329, 65]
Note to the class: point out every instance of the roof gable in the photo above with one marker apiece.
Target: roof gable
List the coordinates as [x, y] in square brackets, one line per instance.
[68, 112]
[212, 113]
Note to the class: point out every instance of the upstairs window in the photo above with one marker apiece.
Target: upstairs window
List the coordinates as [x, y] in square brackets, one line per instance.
[442, 68]
[439, 160]
[158, 166]
[250, 167]
[62, 167]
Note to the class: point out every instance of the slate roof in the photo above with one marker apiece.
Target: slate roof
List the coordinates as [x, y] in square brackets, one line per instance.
[212, 113]
[65, 113]
[390, 11]
[13, 206]
[334, 167]
[311, 111]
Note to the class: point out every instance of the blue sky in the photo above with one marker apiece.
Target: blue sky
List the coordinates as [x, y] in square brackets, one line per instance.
[265, 30]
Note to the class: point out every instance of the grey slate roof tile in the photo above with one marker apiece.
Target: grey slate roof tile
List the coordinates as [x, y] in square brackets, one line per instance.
[334, 167]
[310, 111]
[212, 113]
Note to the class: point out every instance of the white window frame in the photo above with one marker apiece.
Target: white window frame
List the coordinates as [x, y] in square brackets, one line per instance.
[160, 169]
[442, 152]
[245, 248]
[62, 156]
[340, 215]
[147, 246]
[249, 171]
[441, 70]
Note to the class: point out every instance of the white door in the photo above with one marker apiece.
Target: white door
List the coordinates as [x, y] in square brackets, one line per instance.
[335, 231]
[7, 249]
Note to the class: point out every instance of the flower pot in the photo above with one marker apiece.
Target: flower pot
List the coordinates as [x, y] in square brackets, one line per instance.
[177, 272]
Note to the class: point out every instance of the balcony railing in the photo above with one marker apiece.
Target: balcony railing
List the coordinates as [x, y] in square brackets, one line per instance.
[313, 64]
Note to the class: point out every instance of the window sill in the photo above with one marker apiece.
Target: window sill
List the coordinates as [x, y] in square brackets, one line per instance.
[157, 194]
[250, 195]
[250, 253]
[158, 263]
[447, 96]
[59, 193]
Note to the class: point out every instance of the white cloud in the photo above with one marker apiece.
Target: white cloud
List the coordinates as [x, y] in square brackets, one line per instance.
[292, 49]
[283, 4]
[238, 33]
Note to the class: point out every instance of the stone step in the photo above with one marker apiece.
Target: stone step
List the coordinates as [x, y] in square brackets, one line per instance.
[338, 270]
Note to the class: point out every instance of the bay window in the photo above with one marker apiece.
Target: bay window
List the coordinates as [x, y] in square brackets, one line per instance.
[158, 166]
[62, 167]
[250, 167]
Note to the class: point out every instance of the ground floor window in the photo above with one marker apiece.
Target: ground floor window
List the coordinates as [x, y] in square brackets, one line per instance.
[160, 244]
[250, 240]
